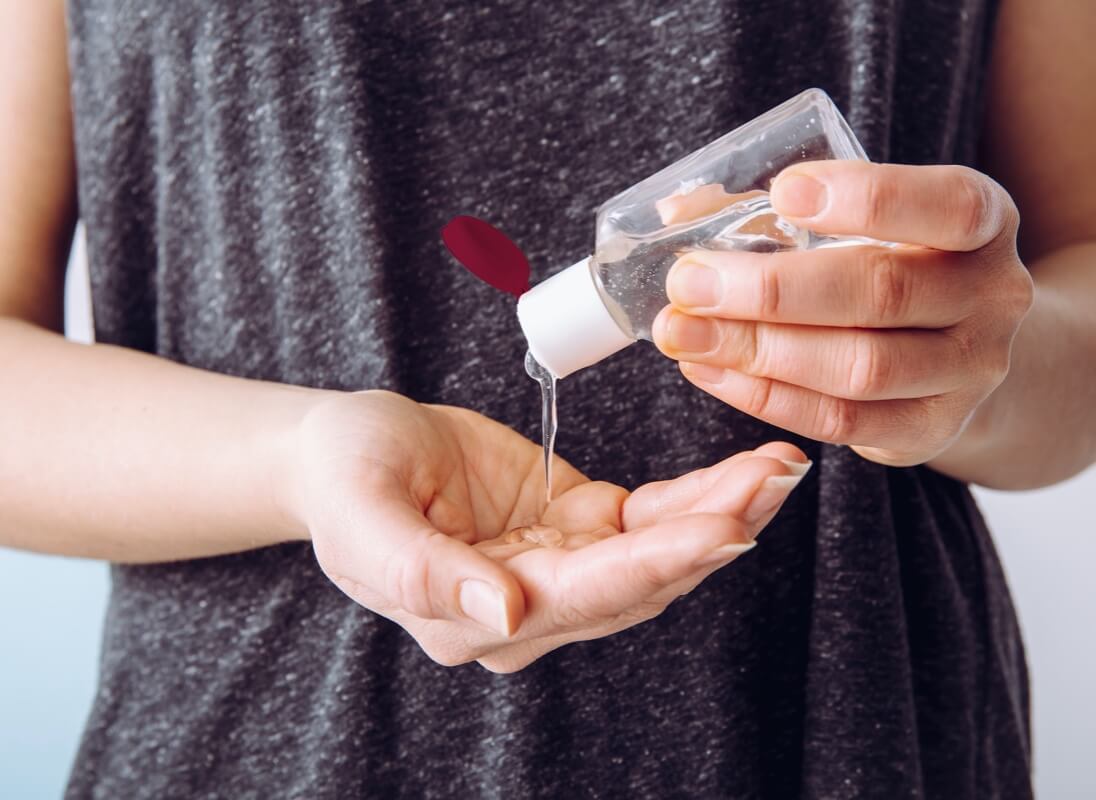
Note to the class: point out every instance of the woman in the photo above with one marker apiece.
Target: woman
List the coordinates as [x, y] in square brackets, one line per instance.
[262, 186]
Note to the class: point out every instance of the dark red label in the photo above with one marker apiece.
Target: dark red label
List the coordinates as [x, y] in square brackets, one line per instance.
[487, 253]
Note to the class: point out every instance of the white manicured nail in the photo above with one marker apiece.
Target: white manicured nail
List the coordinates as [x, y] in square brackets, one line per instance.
[769, 496]
[797, 467]
[725, 553]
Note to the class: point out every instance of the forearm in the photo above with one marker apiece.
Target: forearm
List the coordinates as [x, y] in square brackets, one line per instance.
[1039, 426]
[110, 453]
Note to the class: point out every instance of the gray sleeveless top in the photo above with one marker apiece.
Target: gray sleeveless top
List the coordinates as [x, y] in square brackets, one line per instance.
[263, 185]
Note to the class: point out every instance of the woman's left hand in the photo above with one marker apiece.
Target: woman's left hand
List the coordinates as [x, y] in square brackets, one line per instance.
[888, 349]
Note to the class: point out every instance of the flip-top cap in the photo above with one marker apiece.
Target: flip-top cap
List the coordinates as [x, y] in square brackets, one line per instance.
[566, 323]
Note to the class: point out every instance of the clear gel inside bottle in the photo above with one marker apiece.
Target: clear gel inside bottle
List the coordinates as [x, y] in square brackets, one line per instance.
[714, 199]
[630, 271]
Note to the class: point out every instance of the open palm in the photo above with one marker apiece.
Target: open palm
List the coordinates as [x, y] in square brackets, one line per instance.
[415, 512]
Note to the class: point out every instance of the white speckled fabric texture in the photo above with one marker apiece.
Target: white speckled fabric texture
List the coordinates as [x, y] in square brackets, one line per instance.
[263, 185]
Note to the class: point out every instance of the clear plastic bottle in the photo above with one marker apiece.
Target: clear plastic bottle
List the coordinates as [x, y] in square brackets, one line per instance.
[713, 199]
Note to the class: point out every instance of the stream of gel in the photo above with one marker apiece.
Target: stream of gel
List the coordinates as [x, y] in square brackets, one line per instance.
[547, 383]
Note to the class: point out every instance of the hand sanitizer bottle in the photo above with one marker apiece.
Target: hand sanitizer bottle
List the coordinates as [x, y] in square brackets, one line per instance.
[713, 199]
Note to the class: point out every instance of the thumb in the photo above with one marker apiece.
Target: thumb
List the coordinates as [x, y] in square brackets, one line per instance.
[434, 576]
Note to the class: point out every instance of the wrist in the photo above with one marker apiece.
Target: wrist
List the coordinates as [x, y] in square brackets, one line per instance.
[278, 447]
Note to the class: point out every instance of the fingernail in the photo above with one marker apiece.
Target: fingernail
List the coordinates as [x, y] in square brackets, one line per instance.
[799, 468]
[485, 604]
[702, 372]
[798, 196]
[769, 496]
[725, 553]
[691, 334]
[693, 284]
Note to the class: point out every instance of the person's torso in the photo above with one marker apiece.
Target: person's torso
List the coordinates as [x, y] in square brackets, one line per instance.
[263, 186]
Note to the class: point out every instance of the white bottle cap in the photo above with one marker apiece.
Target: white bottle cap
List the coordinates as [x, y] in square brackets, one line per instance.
[566, 322]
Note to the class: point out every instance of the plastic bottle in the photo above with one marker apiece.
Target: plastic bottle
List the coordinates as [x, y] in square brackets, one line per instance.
[715, 198]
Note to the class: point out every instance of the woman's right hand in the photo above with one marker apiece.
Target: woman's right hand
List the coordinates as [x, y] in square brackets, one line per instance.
[408, 507]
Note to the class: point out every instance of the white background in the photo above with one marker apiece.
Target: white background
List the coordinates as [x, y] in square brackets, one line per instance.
[51, 611]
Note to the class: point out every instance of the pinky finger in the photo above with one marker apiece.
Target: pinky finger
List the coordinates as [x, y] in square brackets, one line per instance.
[890, 424]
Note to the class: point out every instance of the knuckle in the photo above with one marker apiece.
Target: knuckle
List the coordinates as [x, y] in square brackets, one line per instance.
[1010, 213]
[407, 577]
[999, 363]
[975, 204]
[1005, 214]
[745, 347]
[878, 201]
[871, 369]
[890, 288]
[768, 295]
[1020, 292]
[836, 419]
[761, 397]
[448, 655]
[987, 359]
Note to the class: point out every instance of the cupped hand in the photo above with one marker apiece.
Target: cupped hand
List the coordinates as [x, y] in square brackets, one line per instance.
[417, 512]
[888, 349]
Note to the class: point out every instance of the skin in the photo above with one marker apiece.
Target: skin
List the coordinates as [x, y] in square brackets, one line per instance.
[950, 350]
[110, 453]
[162, 461]
[445, 511]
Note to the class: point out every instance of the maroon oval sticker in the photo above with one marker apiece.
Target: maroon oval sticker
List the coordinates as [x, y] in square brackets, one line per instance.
[487, 253]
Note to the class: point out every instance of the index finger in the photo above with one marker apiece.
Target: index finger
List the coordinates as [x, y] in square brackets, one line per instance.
[603, 580]
[724, 488]
[942, 207]
[862, 286]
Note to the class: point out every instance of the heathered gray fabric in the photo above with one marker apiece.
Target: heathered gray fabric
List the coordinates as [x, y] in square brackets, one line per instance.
[263, 185]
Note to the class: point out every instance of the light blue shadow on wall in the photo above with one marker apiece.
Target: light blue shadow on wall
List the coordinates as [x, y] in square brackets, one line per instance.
[51, 619]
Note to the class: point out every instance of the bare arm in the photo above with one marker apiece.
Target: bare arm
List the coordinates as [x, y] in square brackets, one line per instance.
[1039, 426]
[106, 452]
[113, 454]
